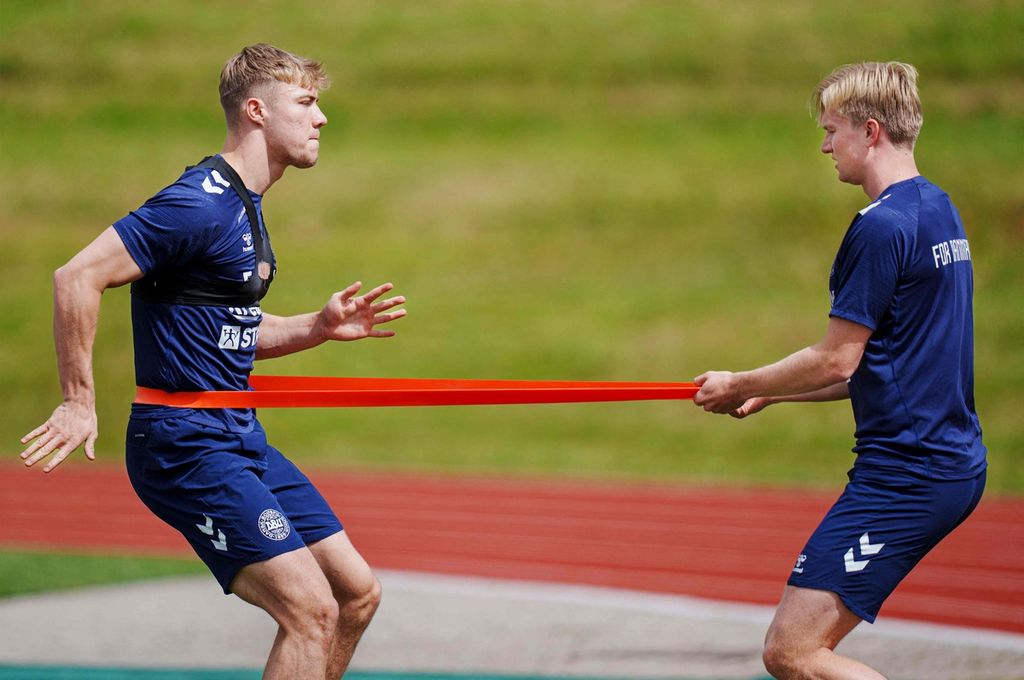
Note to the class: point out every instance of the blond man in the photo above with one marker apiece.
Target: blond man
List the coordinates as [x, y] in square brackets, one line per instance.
[900, 346]
[199, 259]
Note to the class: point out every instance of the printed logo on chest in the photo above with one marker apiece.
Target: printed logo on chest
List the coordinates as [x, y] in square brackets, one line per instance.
[238, 338]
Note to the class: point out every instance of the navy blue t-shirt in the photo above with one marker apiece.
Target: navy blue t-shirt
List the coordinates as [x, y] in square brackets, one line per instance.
[904, 271]
[196, 228]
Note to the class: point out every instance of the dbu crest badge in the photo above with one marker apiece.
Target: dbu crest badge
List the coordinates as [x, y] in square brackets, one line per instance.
[274, 525]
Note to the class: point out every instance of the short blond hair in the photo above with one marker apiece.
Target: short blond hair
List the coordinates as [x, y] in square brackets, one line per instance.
[885, 91]
[256, 66]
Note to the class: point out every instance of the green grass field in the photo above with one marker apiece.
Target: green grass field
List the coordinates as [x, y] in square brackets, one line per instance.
[572, 190]
[28, 572]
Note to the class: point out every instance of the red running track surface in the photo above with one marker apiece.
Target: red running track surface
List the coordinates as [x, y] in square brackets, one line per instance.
[707, 541]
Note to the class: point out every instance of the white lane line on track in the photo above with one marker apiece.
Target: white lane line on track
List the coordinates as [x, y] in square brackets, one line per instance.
[679, 605]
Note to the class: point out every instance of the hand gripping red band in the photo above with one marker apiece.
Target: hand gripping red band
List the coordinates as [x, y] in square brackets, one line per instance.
[270, 391]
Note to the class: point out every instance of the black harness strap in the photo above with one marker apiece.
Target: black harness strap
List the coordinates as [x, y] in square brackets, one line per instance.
[169, 288]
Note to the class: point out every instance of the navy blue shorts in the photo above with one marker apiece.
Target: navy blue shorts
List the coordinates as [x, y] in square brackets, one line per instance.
[234, 497]
[882, 525]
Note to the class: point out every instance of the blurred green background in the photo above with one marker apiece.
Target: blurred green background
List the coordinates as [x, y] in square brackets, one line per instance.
[572, 190]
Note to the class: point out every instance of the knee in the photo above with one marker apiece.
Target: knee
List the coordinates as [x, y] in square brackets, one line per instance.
[321, 618]
[779, 661]
[360, 607]
[373, 597]
[369, 599]
[313, 621]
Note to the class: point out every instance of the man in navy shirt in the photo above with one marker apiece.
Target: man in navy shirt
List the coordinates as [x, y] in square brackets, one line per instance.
[900, 346]
[199, 259]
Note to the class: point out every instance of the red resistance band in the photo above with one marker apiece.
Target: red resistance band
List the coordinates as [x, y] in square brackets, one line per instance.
[270, 391]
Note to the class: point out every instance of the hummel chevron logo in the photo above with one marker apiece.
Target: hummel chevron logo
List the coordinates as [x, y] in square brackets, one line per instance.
[208, 186]
[866, 548]
[208, 529]
[221, 542]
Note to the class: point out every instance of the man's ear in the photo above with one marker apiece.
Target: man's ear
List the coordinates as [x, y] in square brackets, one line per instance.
[255, 110]
[872, 131]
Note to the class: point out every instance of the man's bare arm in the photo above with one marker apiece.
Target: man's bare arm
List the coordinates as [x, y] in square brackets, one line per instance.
[346, 316]
[836, 392]
[77, 288]
[816, 371]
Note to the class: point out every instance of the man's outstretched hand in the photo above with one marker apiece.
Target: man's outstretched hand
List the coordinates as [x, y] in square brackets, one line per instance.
[71, 425]
[348, 316]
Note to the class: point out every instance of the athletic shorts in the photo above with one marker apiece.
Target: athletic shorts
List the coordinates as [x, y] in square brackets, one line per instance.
[882, 525]
[236, 499]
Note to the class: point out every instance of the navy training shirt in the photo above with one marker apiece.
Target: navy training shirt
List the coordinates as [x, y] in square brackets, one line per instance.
[904, 271]
[198, 229]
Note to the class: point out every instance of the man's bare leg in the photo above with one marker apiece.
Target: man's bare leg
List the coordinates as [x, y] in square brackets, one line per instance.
[808, 625]
[294, 591]
[356, 591]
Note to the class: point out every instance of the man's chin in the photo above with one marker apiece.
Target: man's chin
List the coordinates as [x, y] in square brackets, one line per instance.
[303, 163]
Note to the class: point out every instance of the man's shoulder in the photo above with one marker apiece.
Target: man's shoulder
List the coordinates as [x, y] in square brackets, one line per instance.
[895, 211]
[909, 195]
[198, 189]
[198, 185]
[879, 217]
[200, 200]
[207, 183]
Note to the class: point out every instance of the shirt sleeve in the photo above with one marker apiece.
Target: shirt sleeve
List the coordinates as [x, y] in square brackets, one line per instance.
[169, 231]
[867, 271]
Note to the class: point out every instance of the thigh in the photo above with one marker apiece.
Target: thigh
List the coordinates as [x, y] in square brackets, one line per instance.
[877, 532]
[307, 510]
[346, 570]
[808, 619]
[286, 586]
[202, 482]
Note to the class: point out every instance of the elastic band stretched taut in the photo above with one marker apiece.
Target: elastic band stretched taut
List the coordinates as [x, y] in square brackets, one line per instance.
[297, 391]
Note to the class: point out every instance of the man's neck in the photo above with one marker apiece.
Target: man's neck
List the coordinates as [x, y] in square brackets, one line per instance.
[895, 166]
[247, 154]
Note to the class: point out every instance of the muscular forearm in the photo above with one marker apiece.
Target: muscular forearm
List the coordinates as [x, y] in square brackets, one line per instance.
[812, 374]
[76, 308]
[836, 392]
[802, 373]
[282, 335]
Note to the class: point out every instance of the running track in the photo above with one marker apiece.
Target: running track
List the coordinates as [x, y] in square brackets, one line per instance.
[705, 541]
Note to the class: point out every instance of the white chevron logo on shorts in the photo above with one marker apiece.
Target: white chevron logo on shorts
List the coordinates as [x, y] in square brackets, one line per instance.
[221, 542]
[866, 548]
[208, 186]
